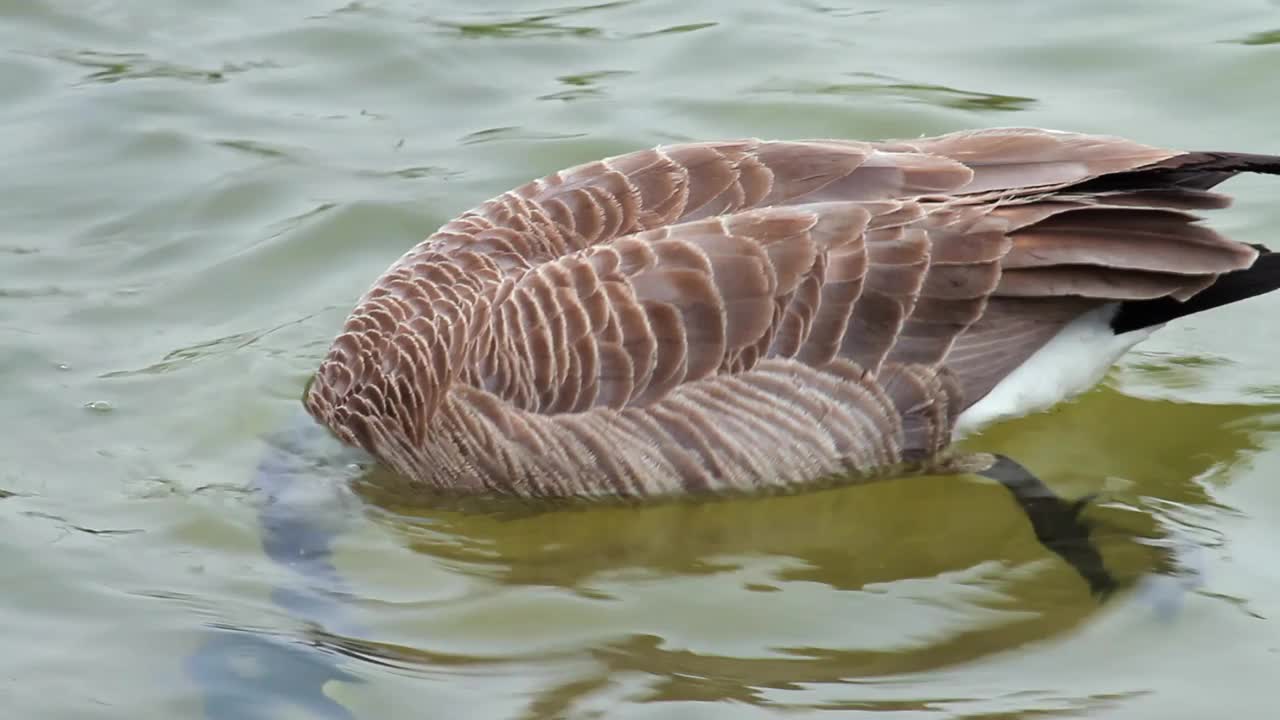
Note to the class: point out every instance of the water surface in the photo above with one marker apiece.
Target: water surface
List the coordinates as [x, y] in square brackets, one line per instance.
[195, 194]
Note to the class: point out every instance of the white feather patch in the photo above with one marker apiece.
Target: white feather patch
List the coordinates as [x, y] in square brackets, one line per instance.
[1071, 362]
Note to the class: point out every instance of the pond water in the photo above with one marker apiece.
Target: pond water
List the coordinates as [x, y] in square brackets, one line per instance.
[196, 193]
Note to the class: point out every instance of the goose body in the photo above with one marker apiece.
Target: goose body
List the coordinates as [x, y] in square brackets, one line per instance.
[750, 314]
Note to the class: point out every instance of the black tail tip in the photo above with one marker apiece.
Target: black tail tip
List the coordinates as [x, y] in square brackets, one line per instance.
[1260, 278]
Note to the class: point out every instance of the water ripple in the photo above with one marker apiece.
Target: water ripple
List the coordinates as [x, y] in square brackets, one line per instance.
[540, 24]
[514, 132]
[191, 354]
[112, 67]
[676, 29]
[584, 85]
[1266, 37]
[870, 84]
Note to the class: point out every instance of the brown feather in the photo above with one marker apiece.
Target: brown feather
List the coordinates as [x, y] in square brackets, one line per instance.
[736, 315]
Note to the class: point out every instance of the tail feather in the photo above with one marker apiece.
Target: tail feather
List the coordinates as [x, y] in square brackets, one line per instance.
[1260, 278]
[1192, 171]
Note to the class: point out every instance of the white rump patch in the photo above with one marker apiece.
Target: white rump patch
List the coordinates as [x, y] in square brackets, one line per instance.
[1071, 362]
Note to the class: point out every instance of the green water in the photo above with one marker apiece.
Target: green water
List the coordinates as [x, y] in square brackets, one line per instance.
[194, 194]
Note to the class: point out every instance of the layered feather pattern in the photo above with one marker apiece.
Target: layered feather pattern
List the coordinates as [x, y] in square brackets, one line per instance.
[740, 315]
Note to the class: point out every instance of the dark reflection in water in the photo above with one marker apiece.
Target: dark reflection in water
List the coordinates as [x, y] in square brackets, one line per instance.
[547, 23]
[1147, 459]
[1265, 37]
[853, 536]
[573, 22]
[111, 67]
[1153, 463]
[872, 84]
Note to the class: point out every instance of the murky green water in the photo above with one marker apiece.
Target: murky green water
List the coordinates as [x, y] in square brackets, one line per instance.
[194, 194]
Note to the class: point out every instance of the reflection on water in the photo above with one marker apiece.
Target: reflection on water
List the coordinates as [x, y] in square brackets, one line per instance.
[872, 84]
[950, 557]
[548, 23]
[1265, 37]
[746, 599]
[554, 23]
[110, 67]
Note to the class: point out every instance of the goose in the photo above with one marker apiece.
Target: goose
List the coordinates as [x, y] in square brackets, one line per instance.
[743, 316]
[754, 315]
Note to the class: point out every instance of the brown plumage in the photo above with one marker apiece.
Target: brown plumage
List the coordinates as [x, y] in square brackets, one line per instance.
[738, 315]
